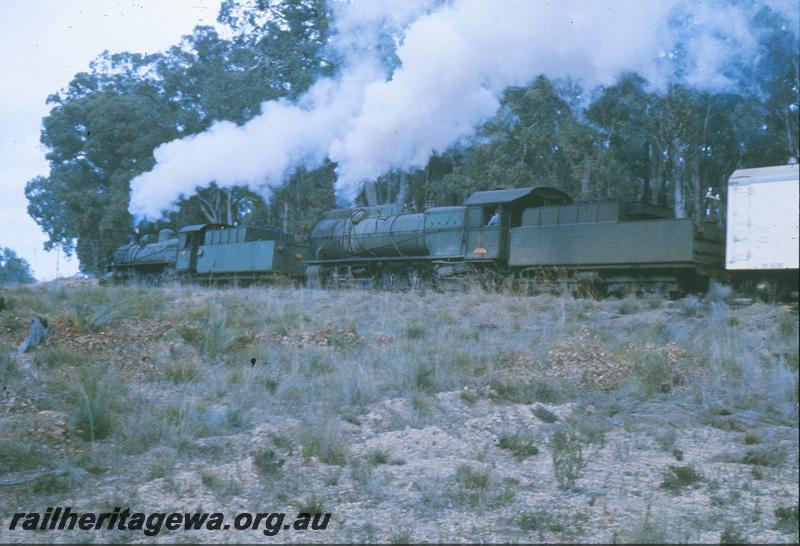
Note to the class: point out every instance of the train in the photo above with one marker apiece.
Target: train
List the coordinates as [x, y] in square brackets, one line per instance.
[524, 238]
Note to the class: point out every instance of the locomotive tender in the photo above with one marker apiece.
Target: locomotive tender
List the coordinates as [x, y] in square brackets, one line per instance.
[521, 235]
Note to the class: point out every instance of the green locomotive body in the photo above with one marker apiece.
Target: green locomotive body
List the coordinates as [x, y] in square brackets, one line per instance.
[522, 234]
[213, 253]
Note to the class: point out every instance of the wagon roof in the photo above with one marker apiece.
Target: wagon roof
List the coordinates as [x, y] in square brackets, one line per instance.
[507, 196]
[199, 227]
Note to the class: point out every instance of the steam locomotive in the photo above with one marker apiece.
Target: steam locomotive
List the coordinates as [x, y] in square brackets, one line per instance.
[524, 237]
[211, 253]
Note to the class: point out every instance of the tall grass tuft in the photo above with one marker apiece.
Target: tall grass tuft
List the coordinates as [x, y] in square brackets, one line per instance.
[94, 397]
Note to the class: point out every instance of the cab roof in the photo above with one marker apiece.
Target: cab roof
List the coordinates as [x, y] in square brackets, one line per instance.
[553, 196]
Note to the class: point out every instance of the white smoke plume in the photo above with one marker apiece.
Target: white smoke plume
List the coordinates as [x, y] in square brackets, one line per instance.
[456, 59]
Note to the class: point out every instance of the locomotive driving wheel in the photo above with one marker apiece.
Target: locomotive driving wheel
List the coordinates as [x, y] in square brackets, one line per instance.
[386, 280]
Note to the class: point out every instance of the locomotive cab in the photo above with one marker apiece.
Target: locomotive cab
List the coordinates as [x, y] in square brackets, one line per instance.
[189, 240]
[490, 214]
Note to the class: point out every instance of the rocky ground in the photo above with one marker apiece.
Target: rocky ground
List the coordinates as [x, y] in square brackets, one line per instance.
[409, 417]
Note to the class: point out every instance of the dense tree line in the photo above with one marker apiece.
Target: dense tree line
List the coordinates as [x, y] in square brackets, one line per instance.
[13, 269]
[664, 147]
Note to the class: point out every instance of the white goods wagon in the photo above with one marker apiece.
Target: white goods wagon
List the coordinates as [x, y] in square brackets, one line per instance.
[763, 219]
[762, 224]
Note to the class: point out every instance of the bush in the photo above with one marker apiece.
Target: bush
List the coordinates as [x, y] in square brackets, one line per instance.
[311, 505]
[60, 355]
[522, 445]
[94, 396]
[628, 306]
[732, 535]
[649, 531]
[544, 414]
[566, 448]
[267, 462]
[788, 518]
[377, 456]
[324, 441]
[415, 332]
[181, 371]
[678, 477]
[476, 488]
[764, 457]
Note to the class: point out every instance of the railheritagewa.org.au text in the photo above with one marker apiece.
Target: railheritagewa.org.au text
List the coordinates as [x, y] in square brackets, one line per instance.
[65, 518]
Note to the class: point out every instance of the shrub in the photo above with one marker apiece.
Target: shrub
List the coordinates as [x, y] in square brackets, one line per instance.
[267, 462]
[522, 445]
[628, 306]
[788, 518]
[415, 332]
[94, 397]
[17, 452]
[649, 531]
[324, 441]
[731, 534]
[678, 477]
[525, 393]
[311, 504]
[539, 520]
[476, 488]
[60, 355]
[544, 414]
[751, 438]
[566, 447]
[377, 456]
[181, 371]
[764, 457]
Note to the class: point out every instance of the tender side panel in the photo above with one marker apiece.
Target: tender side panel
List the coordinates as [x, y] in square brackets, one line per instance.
[603, 244]
[255, 256]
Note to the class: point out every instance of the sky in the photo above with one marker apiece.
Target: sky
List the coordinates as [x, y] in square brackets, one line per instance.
[44, 43]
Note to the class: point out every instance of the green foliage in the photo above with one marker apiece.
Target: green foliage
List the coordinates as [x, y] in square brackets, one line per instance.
[103, 127]
[627, 141]
[544, 414]
[94, 394]
[649, 531]
[788, 518]
[325, 441]
[268, 462]
[678, 477]
[477, 488]
[569, 459]
[377, 456]
[732, 534]
[764, 456]
[181, 371]
[311, 504]
[522, 444]
[14, 269]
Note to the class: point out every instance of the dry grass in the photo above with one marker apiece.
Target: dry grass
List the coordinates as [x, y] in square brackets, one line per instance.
[411, 409]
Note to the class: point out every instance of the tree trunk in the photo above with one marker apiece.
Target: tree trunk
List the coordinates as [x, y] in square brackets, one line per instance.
[229, 210]
[697, 191]
[654, 181]
[371, 193]
[676, 155]
[402, 190]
